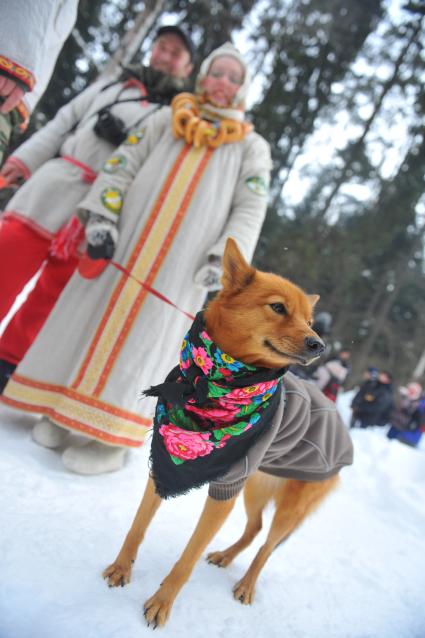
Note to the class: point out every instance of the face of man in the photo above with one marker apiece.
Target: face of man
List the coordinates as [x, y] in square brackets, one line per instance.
[169, 55]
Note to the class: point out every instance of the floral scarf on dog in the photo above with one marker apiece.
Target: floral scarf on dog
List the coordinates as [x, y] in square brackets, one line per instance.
[211, 409]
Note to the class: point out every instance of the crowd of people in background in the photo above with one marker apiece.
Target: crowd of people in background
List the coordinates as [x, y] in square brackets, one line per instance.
[376, 403]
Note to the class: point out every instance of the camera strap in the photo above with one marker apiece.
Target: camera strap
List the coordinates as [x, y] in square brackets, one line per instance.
[146, 115]
[145, 98]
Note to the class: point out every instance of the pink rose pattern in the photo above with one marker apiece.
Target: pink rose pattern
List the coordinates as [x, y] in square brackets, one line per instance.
[202, 360]
[184, 444]
[219, 414]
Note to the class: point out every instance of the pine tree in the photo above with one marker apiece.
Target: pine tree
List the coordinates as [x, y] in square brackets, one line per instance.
[312, 44]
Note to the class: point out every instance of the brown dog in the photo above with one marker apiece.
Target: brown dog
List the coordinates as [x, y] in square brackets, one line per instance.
[264, 320]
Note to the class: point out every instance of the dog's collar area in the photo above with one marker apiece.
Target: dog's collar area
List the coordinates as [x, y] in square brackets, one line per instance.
[271, 347]
[211, 408]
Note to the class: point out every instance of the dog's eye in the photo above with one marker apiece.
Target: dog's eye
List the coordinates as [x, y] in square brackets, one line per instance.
[309, 323]
[278, 308]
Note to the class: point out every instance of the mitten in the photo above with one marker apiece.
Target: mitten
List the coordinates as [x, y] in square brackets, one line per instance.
[209, 275]
[102, 237]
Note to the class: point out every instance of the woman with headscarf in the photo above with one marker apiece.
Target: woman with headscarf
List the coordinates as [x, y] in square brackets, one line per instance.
[163, 206]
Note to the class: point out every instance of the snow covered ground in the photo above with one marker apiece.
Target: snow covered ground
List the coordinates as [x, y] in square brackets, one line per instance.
[356, 569]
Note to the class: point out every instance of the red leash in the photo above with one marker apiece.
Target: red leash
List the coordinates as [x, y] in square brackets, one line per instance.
[150, 289]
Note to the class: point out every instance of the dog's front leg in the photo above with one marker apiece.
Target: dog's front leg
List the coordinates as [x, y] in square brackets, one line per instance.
[119, 573]
[158, 607]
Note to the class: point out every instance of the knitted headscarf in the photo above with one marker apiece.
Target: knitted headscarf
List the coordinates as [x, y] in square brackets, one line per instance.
[238, 103]
[211, 409]
[201, 123]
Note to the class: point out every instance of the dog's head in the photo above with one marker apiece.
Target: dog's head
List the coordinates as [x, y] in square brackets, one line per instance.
[261, 318]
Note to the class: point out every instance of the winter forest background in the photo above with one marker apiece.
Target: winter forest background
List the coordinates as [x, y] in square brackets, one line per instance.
[339, 94]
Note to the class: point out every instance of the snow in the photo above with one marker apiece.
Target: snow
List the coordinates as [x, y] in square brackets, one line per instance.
[355, 569]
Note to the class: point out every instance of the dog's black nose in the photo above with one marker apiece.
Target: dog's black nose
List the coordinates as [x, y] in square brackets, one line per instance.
[314, 345]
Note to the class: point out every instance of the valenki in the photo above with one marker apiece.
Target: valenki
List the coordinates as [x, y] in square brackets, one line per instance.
[211, 409]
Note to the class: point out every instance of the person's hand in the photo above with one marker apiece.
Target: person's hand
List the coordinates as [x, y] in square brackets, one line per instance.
[11, 92]
[13, 173]
[209, 275]
[102, 237]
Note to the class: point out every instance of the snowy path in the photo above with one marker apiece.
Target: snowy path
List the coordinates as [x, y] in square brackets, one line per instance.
[356, 569]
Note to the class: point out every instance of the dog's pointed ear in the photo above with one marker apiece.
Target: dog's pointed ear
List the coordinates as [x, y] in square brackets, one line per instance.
[237, 273]
[313, 299]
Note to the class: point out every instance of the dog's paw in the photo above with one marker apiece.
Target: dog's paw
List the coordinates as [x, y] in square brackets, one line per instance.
[157, 609]
[244, 592]
[221, 559]
[118, 574]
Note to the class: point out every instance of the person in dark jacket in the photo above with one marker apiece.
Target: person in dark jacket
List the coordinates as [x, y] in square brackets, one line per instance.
[373, 403]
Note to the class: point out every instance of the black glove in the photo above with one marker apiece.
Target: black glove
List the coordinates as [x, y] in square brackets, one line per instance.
[102, 237]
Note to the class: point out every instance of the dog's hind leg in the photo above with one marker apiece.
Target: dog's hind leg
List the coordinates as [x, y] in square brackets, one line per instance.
[158, 607]
[119, 573]
[294, 501]
[259, 489]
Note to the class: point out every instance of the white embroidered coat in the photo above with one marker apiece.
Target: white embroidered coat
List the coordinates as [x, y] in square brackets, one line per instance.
[51, 195]
[32, 35]
[107, 339]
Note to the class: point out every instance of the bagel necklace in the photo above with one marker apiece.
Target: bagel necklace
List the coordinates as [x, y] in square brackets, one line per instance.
[188, 123]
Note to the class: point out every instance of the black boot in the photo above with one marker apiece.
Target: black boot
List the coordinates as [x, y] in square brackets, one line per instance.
[6, 370]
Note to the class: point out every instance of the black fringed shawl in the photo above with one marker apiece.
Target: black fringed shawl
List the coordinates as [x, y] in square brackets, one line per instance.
[211, 409]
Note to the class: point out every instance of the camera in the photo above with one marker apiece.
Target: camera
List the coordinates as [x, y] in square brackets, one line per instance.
[109, 127]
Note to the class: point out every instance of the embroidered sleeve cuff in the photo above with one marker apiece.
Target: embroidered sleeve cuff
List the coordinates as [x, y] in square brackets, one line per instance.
[224, 491]
[17, 72]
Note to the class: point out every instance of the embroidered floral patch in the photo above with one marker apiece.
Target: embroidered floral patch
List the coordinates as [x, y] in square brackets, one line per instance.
[257, 185]
[135, 137]
[112, 199]
[114, 163]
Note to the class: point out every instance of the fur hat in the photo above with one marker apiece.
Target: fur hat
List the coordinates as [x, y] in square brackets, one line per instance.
[229, 50]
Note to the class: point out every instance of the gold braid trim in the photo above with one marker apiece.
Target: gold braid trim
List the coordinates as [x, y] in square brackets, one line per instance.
[188, 124]
[18, 71]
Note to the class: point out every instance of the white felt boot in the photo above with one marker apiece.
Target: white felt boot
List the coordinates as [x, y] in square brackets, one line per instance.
[48, 434]
[93, 458]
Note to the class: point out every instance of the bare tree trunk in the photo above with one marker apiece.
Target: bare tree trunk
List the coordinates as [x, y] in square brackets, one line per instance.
[83, 44]
[378, 325]
[419, 371]
[133, 39]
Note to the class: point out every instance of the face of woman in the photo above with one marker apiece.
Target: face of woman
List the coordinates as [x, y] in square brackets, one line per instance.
[224, 79]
